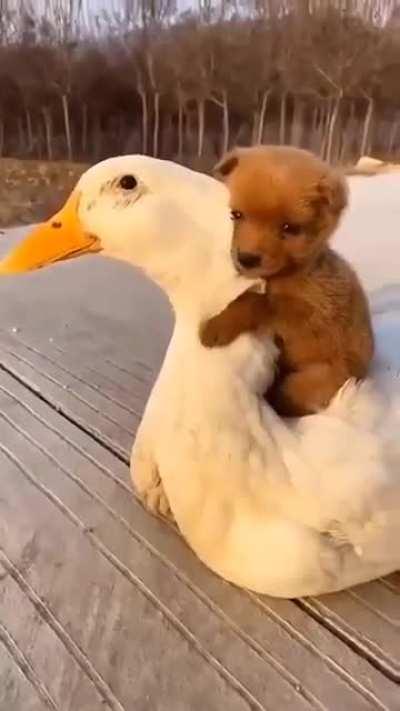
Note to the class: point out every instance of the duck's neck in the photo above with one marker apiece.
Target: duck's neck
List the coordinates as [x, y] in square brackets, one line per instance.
[195, 300]
[247, 363]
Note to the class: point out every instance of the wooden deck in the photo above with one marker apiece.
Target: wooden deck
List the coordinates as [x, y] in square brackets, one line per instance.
[103, 606]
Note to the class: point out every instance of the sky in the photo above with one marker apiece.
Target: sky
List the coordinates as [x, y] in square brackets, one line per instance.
[96, 5]
[90, 5]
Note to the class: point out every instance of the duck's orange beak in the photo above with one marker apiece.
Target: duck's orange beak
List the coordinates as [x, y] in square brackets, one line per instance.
[61, 237]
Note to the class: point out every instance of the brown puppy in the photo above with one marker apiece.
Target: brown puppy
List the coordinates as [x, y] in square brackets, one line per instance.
[286, 204]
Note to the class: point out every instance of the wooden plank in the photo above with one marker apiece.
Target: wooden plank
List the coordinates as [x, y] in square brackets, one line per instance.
[392, 582]
[365, 618]
[167, 615]
[68, 401]
[128, 389]
[126, 385]
[89, 305]
[47, 652]
[110, 615]
[142, 624]
[85, 391]
[282, 647]
[17, 690]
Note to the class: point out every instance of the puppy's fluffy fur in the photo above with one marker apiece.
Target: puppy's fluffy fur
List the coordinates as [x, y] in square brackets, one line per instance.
[286, 204]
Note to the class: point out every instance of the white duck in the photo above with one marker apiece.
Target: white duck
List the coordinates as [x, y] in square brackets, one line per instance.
[287, 510]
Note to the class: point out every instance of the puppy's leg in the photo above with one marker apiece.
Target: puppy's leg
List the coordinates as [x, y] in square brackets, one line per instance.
[243, 315]
[306, 391]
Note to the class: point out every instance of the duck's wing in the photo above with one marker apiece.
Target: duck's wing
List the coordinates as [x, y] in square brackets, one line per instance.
[344, 469]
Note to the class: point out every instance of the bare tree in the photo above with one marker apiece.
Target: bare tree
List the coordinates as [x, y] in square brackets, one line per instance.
[139, 75]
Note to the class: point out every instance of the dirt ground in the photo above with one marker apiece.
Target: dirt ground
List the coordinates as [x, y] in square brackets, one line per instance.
[30, 189]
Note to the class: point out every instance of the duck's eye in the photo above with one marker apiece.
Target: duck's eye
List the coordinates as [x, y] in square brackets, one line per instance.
[128, 182]
[290, 229]
[236, 215]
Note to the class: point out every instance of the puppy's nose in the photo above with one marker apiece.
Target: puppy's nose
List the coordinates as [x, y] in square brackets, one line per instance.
[248, 260]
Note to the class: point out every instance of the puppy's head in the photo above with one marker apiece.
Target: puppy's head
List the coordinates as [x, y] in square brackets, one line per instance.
[285, 202]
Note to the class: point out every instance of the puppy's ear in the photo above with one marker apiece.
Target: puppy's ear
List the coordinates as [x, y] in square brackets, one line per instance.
[333, 192]
[226, 165]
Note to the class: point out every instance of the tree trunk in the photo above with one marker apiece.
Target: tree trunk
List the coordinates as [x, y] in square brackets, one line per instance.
[48, 132]
[338, 144]
[334, 114]
[29, 130]
[314, 140]
[84, 129]
[167, 145]
[350, 136]
[296, 132]
[315, 119]
[22, 146]
[345, 145]
[223, 105]
[347, 137]
[188, 133]
[40, 151]
[392, 138]
[67, 125]
[180, 128]
[324, 124]
[97, 138]
[254, 127]
[122, 132]
[156, 127]
[225, 122]
[145, 120]
[367, 127]
[282, 122]
[261, 120]
[200, 127]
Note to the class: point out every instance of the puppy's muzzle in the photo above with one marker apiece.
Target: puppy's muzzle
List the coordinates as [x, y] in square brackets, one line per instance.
[248, 260]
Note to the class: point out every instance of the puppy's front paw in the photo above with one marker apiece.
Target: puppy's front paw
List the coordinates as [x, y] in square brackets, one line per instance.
[215, 333]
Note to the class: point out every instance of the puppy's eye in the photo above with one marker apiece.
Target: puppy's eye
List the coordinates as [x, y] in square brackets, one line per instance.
[291, 229]
[236, 215]
[128, 182]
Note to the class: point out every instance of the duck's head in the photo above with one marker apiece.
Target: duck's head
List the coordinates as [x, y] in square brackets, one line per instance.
[169, 221]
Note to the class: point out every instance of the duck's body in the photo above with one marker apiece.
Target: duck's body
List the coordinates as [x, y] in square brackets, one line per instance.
[287, 510]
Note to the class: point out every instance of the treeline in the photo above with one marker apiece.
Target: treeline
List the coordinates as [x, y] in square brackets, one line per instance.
[140, 76]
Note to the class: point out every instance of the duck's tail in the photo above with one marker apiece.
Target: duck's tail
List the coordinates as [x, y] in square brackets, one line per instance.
[376, 543]
[360, 404]
[373, 406]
